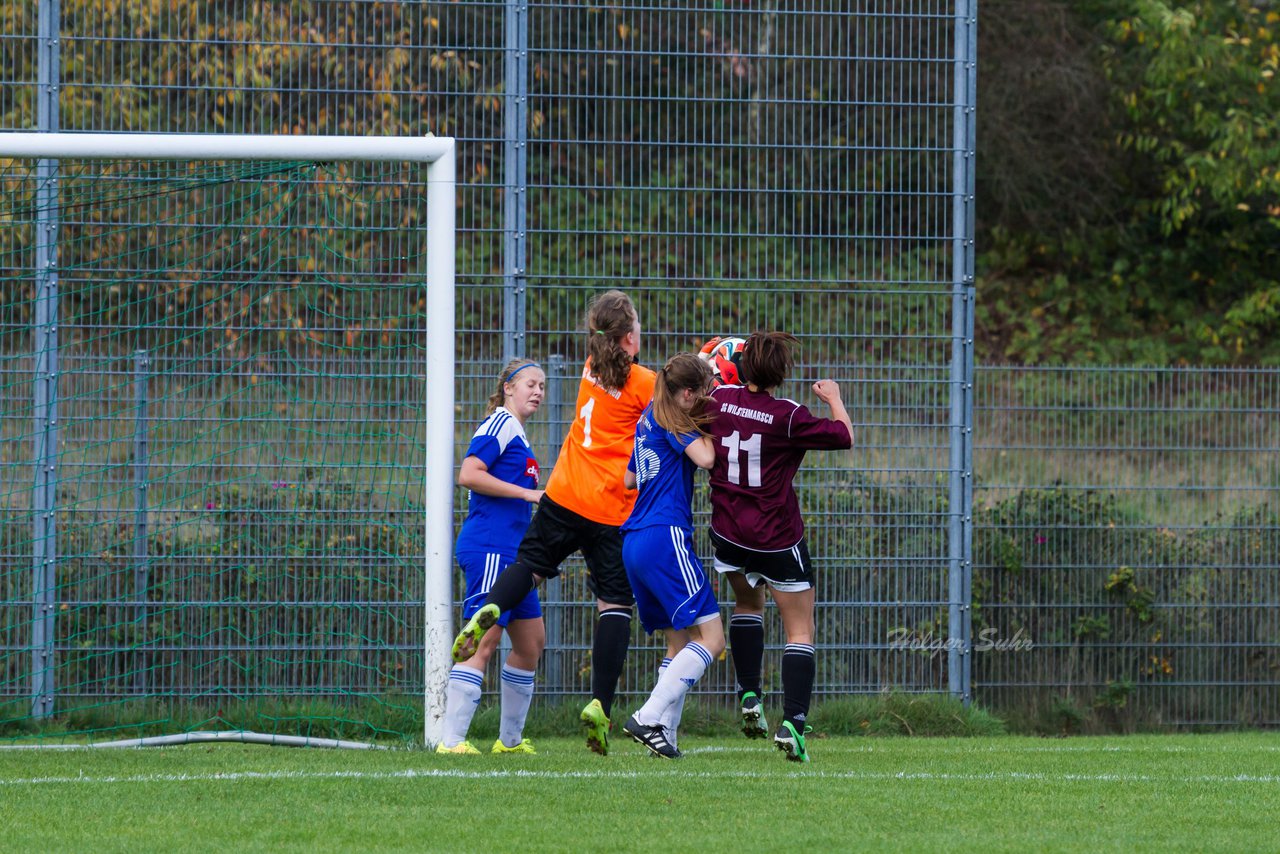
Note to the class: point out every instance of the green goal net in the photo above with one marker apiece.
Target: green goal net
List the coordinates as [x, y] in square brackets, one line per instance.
[212, 445]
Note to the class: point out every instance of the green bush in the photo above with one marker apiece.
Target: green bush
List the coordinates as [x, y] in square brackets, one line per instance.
[1123, 614]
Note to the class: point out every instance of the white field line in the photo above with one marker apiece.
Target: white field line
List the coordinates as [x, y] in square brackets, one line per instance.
[437, 773]
[1252, 748]
[935, 748]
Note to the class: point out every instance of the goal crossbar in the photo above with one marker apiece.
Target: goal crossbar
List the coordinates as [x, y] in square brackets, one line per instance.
[214, 146]
[439, 154]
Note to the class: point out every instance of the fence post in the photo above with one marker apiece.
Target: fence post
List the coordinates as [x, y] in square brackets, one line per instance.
[969, 281]
[44, 550]
[960, 486]
[515, 75]
[141, 563]
[553, 612]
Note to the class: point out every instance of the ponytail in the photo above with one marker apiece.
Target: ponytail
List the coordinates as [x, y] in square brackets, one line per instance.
[610, 318]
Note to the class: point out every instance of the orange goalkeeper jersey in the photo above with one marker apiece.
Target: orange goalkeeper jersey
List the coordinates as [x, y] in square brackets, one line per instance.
[587, 477]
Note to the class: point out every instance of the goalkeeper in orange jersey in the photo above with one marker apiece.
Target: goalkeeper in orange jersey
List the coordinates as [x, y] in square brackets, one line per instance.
[585, 504]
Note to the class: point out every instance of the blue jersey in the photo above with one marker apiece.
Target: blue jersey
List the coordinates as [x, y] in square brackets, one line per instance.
[664, 476]
[497, 524]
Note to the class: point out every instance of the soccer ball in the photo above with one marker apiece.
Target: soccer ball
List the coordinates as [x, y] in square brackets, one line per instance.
[724, 354]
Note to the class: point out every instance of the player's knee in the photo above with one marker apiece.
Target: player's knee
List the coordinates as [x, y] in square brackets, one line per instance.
[536, 645]
[799, 634]
[526, 575]
[710, 636]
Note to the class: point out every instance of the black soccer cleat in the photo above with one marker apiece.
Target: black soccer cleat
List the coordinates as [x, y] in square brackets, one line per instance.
[652, 737]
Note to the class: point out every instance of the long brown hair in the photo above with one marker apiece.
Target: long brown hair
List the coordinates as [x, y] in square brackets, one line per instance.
[505, 376]
[610, 316]
[767, 358]
[683, 370]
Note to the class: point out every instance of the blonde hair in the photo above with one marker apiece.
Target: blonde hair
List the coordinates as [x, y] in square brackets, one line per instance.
[682, 371]
[505, 376]
[610, 316]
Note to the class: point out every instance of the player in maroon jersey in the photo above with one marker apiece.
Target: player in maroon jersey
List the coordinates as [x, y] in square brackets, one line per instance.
[756, 527]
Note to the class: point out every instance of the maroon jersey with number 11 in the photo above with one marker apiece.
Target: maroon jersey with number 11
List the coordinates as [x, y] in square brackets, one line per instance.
[760, 442]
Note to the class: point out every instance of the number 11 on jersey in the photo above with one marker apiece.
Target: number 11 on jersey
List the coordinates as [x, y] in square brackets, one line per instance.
[736, 446]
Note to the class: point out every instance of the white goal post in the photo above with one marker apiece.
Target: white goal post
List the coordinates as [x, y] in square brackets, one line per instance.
[439, 154]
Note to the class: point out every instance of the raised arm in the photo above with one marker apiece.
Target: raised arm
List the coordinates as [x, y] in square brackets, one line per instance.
[828, 391]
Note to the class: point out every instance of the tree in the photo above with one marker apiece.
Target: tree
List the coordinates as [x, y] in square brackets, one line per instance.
[1198, 83]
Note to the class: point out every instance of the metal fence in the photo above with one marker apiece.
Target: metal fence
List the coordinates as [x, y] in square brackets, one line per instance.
[1126, 527]
[732, 165]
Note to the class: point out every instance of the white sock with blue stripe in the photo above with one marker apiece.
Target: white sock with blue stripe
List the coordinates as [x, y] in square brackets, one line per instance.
[671, 718]
[681, 674]
[517, 692]
[461, 699]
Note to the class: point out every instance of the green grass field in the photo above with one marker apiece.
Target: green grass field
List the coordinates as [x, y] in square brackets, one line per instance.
[1186, 792]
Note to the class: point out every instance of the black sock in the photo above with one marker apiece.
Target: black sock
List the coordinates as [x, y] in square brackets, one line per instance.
[746, 642]
[609, 654]
[797, 683]
[510, 587]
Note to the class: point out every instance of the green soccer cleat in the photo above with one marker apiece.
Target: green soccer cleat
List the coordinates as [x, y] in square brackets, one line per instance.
[597, 725]
[468, 640]
[791, 742]
[525, 746]
[753, 722]
[462, 748]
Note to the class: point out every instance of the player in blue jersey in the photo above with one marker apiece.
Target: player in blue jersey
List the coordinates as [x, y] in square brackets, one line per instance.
[671, 589]
[501, 471]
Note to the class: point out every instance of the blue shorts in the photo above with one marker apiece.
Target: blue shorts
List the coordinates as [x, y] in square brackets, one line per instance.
[481, 570]
[671, 588]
